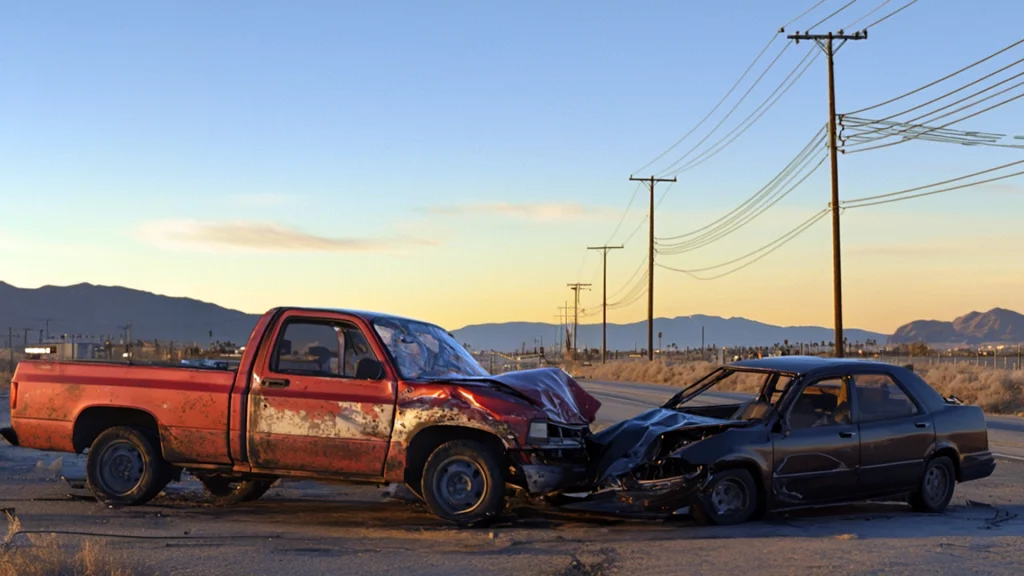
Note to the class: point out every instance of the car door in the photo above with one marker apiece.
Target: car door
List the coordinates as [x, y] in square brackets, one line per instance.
[817, 452]
[895, 434]
[320, 400]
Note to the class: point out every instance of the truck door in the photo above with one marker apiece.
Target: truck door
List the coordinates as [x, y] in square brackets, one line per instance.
[320, 400]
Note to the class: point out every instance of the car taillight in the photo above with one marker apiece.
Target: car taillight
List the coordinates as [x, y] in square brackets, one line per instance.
[14, 396]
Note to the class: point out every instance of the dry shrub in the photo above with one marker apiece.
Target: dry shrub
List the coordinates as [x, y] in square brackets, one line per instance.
[44, 556]
[995, 391]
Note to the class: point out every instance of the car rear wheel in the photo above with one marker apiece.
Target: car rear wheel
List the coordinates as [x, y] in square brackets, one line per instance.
[125, 466]
[936, 488]
[730, 498]
[463, 482]
[229, 490]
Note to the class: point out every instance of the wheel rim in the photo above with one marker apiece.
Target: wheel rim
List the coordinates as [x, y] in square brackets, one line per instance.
[121, 467]
[460, 485]
[936, 483]
[728, 497]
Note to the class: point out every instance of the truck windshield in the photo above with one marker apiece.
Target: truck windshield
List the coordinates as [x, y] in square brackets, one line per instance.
[423, 351]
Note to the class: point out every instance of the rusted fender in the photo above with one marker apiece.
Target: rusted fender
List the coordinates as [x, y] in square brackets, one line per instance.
[422, 406]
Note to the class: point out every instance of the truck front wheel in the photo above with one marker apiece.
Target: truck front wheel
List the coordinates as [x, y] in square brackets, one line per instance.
[463, 482]
[125, 466]
[225, 490]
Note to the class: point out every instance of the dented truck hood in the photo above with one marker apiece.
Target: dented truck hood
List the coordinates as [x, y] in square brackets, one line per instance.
[556, 393]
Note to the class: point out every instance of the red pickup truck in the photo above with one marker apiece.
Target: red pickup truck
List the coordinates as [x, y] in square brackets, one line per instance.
[333, 395]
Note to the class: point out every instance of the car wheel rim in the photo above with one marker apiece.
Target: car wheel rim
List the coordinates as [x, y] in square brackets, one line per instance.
[121, 467]
[460, 485]
[728, 497]
[936, 483]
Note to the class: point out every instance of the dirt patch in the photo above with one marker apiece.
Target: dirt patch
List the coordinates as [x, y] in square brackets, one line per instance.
[35, 554]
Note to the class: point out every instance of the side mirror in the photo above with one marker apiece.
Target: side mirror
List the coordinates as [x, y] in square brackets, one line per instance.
[369, 369]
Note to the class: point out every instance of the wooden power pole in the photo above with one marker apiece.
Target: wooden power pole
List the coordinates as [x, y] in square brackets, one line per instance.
[650, 264]
[576, 287]
[604, 297]
[826, 43]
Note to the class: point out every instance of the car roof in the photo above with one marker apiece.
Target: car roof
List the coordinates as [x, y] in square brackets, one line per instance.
[800, 365]
[369, 316]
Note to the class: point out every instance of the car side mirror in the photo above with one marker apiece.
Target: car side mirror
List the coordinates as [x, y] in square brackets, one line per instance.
[369, 369]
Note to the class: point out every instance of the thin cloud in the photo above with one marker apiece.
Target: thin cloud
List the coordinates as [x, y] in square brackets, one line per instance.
[262, 199]
[246, 236]
[534, 212]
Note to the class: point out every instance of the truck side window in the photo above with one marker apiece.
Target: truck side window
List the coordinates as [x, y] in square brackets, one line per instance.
[309, 348]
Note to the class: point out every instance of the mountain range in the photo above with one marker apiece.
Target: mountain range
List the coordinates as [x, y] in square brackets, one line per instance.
[95, 312]
[998, 325]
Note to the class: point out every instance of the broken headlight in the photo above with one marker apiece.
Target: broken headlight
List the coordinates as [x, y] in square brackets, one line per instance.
[538, 433]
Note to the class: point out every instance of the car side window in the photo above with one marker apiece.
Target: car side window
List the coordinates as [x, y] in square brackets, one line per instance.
[879, 397]
[822, 403]
[314, 348]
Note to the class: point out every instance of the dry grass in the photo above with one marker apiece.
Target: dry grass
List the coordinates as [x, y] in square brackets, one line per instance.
[995, 391]
[44, 556]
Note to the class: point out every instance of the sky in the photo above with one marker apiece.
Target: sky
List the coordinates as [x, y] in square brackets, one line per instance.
[453, 160]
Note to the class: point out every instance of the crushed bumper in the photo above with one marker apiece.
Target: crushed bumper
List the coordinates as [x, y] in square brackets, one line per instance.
[9, 435]
[547, 478]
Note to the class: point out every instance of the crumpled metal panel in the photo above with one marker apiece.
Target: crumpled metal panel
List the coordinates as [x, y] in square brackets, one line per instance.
[630, 443]
[561, 398]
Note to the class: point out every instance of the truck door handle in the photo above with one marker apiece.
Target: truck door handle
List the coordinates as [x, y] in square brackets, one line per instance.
[921, 424]
[847, 434]
[275, 383]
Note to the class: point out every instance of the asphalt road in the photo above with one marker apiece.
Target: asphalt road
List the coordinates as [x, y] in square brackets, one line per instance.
[621, 400]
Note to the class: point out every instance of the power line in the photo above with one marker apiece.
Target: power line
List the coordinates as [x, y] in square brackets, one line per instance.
[864, 17]
[802, 14]
[951, 92]
[946, 125]
[822, 21]
[747, 123]
[774, 245]
[722, 233]
[945, 135]
[906, 194]
[890, 15]
[731, 110]
[816, 140]
[943, 79]
[625, 212]
[713, 110]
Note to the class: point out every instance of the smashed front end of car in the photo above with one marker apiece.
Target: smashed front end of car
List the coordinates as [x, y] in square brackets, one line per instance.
[642, 462]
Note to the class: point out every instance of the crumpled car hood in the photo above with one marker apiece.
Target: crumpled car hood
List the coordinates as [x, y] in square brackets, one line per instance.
[561, 398]
[630, 443]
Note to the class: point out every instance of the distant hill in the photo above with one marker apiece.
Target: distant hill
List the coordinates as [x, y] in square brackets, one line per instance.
[683, 331]
[995, 326]
[99, 311]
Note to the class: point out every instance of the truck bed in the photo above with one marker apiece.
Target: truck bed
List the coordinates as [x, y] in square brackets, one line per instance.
[189, 403]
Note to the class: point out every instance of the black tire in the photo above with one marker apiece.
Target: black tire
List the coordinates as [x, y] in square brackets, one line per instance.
[226, 490]
[463, 482]
[936, 488]
[125, 467]
[730, 498]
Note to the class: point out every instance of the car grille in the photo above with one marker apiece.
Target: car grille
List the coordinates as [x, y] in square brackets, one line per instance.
[564, 435]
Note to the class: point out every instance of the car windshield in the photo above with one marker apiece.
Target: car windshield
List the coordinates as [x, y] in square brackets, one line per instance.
[425, 352]
[755, 391]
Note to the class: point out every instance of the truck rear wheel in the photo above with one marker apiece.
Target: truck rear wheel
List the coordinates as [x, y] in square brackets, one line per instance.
[125, 466]
[463, 482]
[227, 490]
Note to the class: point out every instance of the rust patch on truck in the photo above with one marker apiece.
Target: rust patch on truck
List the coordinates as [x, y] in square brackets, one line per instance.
[351, 420]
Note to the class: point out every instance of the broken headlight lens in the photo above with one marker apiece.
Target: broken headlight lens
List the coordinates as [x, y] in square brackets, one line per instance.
[538, 432]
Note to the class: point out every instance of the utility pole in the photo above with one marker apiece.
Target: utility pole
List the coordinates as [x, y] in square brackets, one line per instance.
[47, 325]
[576, 287]
[10, 344]
[650, 264]
[128, 341]
[826, 43]
[604, 297]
